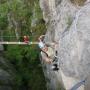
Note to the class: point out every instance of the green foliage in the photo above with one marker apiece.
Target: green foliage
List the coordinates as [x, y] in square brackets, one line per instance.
[24, 60]
[14, 53]
[3, 17]
[4, 9]
[39, 29]
[3, 22]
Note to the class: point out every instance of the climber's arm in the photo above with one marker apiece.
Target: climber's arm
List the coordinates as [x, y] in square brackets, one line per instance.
[45, 58]
[51, 44]
[41, 37]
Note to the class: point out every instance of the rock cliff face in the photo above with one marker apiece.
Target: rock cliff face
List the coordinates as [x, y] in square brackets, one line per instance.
[68, 23]
[5, 77]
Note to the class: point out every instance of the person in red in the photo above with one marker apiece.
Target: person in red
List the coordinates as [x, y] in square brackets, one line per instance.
[26, 39]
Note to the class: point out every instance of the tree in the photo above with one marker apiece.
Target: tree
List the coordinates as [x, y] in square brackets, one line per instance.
[23, 61]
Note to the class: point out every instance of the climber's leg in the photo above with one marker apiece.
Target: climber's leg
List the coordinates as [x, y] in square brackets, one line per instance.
[48, 60]
[53, 61]
[55, 65]
[55, 57]
[45, 58]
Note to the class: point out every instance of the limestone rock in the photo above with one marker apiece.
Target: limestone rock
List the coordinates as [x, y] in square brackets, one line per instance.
[70, 26]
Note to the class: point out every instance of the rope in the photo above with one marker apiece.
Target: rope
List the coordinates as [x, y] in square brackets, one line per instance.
[19, 36]
[22, 43]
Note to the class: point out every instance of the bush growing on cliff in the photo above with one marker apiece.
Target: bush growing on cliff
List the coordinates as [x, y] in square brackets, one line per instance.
[24, 60]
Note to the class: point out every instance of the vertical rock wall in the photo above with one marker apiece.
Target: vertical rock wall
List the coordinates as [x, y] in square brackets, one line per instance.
[68, 24]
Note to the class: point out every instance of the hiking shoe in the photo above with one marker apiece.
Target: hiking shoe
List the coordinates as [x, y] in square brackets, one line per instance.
[55, 67]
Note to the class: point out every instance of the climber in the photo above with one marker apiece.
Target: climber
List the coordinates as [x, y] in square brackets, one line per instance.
[48, 49]
[26, 39]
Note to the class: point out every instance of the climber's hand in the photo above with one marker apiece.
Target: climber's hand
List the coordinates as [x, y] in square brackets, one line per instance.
[40, 38]
[48, 60]
[55, 44]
